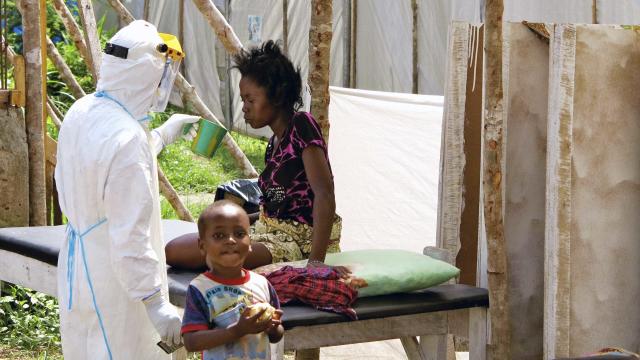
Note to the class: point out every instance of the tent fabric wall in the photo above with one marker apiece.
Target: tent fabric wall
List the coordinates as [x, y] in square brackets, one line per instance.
[384, 40]
[385, 156]
[384, 45]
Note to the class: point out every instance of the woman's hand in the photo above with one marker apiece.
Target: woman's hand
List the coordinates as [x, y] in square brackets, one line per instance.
[343, 271]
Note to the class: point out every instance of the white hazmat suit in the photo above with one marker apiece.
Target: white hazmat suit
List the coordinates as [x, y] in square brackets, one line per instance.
[112, 280]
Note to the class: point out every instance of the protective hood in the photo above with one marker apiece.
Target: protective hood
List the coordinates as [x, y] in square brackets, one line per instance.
[133, 81]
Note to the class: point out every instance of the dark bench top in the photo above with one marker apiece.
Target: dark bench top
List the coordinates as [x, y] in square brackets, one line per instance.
[43, 244]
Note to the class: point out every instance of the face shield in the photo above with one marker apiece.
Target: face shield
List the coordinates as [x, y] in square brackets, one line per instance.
[173, 58]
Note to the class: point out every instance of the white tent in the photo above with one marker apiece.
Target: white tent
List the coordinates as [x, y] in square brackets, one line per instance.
[383, 41]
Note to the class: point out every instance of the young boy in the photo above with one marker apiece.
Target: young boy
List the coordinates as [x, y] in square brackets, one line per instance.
[216, 316]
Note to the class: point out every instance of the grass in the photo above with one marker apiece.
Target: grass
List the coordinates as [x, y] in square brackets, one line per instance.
[29, 326]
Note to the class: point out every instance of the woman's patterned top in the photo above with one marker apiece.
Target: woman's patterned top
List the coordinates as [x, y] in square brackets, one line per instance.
[286, 192]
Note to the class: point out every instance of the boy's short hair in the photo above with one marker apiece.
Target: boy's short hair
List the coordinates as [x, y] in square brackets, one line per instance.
[210, 210]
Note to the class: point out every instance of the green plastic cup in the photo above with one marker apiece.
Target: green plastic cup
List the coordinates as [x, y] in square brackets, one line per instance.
[209, 138]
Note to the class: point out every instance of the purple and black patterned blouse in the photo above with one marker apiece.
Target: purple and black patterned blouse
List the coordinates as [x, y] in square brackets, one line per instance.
[286, 192]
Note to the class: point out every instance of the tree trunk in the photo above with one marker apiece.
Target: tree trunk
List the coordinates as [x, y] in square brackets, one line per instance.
[320, 34]
[34, 113]
[493, 163]
[65, 72]
[219, 25]
[91, 39]
[188, 92]
[73, 30]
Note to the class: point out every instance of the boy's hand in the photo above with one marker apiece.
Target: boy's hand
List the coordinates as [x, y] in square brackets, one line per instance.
[275, 329]
[275, 321]
[249, 324]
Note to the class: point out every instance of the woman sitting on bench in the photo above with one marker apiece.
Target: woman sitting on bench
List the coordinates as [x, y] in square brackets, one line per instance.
[297, 218]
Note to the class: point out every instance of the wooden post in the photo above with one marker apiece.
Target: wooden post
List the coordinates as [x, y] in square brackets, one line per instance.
[320, 33]
[594, 12]
[285, 26]
[73, 30]
[219, 25]
[414, 11]
[65, 72]
[188, 92]
[34, 112]
[172, 197]
[353, 45]
[493, 163]
[91, 37]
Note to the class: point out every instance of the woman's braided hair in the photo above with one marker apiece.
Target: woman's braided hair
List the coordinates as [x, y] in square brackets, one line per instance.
[269, 68]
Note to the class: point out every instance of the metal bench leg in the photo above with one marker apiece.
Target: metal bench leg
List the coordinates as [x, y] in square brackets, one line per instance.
[308, 354]
[478, 333]
[434, 347]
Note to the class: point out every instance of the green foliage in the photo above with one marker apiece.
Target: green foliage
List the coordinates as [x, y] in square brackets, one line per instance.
[28, 319]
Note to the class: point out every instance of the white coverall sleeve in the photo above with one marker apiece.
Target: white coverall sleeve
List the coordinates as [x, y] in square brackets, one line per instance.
[129, 198]
[156, 142]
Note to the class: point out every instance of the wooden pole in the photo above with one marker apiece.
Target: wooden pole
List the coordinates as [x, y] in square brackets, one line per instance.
[353, 44]
[493, 163]
[173, 198]
[73, 30]
[65, 72]
[34, 114]
[594, 12]
[219, 25]
[414, 11]
[188, 92]
[285, 26]
[320, 33]
[91, 37]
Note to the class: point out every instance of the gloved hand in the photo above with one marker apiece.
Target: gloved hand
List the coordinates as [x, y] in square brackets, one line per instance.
[171, 130]
[164, 317]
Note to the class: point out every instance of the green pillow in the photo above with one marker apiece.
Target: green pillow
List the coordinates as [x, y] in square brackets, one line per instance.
[387, 271]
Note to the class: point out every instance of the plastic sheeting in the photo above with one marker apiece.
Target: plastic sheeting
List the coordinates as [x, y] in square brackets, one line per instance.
[385, 153]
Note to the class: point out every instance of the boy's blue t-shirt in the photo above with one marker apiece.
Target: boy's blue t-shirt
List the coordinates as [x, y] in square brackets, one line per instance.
[214, 302]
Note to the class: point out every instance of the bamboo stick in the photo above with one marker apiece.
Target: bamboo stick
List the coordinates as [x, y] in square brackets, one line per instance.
[493, 163]
[91, 37]
[53, 114]
[188, 92]
[73, 30]
[35, 132]
[320, 33]
[54, 108]
[219, 25]
[65, 72]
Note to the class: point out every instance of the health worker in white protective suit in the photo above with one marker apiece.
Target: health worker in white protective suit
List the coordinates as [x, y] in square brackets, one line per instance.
[112, 279]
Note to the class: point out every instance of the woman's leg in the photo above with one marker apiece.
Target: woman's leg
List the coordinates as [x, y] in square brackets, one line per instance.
[183, 252]
[258, 256]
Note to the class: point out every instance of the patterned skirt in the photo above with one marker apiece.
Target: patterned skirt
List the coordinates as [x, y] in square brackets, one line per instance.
[289, 240]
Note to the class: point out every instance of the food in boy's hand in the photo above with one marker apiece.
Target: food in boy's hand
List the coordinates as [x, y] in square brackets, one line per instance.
[355, 282]
[266, 315]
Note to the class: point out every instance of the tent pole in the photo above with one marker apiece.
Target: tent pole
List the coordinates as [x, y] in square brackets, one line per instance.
[285, 26]
[353, 28]
[414, 11]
